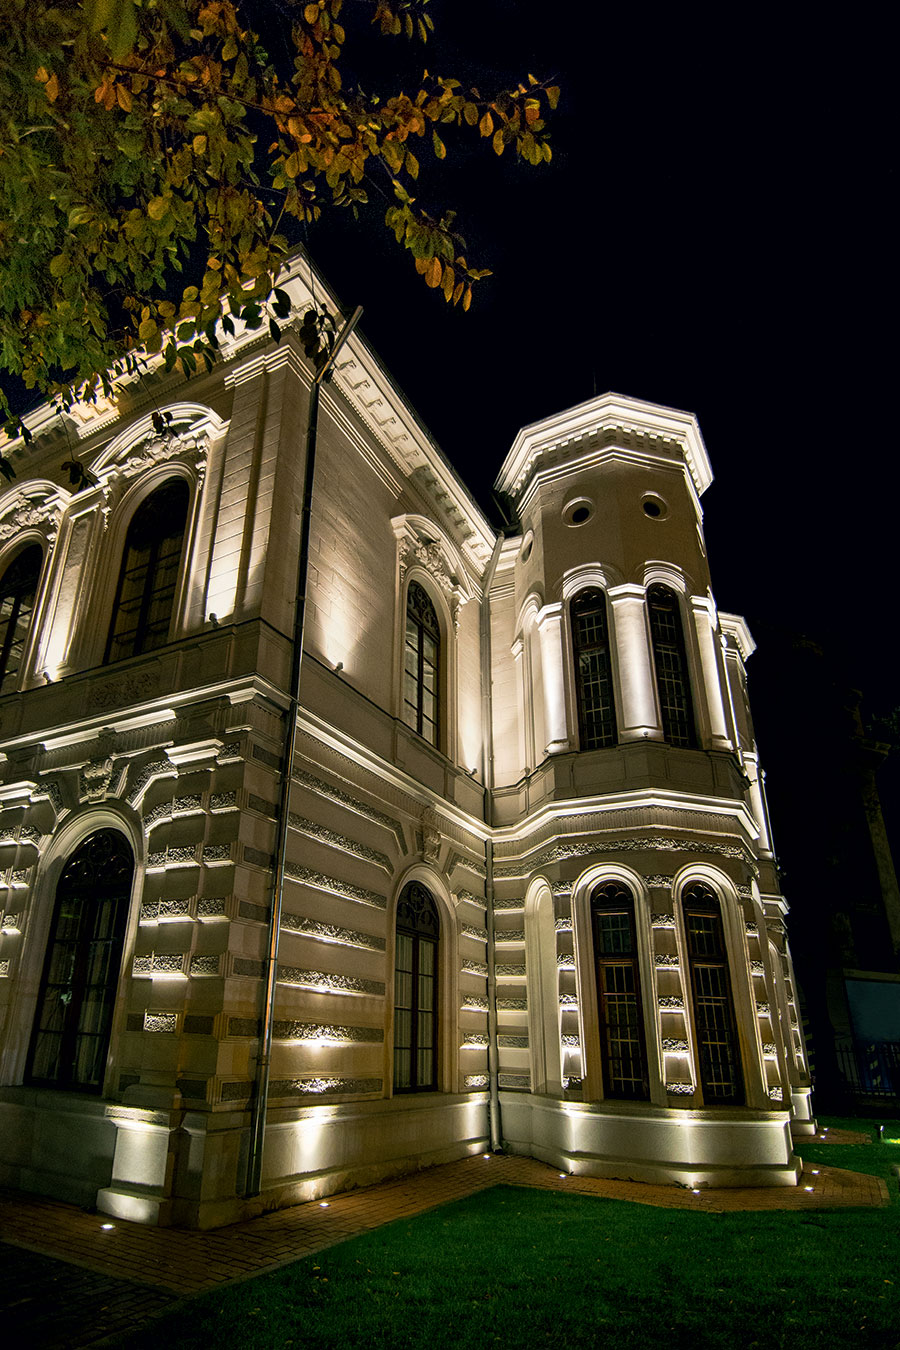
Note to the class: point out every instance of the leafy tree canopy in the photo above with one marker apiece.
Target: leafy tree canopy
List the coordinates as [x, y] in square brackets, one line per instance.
[138, 136]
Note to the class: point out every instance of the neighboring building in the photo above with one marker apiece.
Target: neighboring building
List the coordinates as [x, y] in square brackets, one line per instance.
[529, 891]
[839, 867]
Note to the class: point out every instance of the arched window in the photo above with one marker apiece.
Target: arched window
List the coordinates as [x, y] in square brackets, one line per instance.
[415, 991]
[717, 1044]
[593, 671]
[17, 591]
[421, 665]
[148, 578]
[622, 1045]
[670, 659]
[70, 1039]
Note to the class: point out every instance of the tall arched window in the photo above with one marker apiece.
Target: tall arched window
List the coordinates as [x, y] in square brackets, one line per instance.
[17, 591]
[70, 1039]
[421, 665]
[670, 659]
[415, 991]
[148, 578]
[593, 671]
[717, 1043]
[622, 1046]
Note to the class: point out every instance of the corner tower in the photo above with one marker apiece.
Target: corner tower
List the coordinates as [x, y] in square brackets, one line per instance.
[651, 1006]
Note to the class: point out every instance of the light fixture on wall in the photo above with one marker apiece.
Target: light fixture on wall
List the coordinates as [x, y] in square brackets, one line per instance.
[339, 667]
[214, 620]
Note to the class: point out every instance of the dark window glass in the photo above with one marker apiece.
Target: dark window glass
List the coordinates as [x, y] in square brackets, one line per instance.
[421, 664]
[720, 1068]
[593, 671]
[415, 991]
[670, 660]
[623, 1051]
[17, 591]
[146, 592]
[70, 1039]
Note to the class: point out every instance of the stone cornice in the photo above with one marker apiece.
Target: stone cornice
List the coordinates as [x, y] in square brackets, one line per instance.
[609, 423]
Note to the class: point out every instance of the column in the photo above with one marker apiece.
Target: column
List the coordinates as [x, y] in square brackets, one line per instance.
[638, 717]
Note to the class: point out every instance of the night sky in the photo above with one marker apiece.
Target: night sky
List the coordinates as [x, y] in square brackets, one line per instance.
[712, 234]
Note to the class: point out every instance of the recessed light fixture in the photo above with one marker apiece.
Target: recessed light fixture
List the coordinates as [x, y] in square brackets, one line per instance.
[323, 1204]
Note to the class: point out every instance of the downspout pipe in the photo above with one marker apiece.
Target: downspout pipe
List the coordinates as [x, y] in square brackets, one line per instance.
[261, 1094]
[496, 1129]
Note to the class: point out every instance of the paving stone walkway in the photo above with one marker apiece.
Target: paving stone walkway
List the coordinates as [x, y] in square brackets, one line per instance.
[72, 1279]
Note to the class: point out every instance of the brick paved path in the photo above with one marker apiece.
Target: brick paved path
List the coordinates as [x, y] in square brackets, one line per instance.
[68, 1261]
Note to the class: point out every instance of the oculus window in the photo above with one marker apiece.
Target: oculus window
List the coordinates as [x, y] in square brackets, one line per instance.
[148, 578]
[421, 664]
[593, 671]
[415, 991]
[717, 1043]
[622, 1046]
[70, 1039]
[670, 662]
[17, 592]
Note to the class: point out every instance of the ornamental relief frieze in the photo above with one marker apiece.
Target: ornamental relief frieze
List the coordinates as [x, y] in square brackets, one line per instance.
[37, 511]
[187, 447]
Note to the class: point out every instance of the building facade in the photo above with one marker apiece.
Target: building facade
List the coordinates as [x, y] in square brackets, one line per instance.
[528, 897]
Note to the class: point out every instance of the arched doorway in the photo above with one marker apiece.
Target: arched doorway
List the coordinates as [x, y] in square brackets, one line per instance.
[70, 1038]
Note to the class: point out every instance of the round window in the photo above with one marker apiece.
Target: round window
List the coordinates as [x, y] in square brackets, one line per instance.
[527, 546]
[654, 506]
[579, 511]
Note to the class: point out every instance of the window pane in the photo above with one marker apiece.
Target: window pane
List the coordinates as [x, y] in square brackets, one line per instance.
[593, 671]
[421, 663]
[415, 990]
[619, 1003]
[149, 573]
[670, 660]
[18, 588]
[77, 996]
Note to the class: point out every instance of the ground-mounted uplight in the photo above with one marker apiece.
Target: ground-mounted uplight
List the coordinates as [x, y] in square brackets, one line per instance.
[695, 1190]
[323, 1204]
[486, 1156]
[107, 1226]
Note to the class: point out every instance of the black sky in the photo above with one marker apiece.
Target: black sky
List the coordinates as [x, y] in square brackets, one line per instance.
[715, 233]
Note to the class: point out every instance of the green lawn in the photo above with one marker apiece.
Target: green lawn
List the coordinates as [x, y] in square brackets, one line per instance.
[517, 1267]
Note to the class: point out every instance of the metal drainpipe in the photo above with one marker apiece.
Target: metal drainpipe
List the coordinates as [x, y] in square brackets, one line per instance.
[261, 1093]
[488, 739]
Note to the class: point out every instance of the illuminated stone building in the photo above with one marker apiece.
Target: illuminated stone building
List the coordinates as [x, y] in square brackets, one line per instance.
[529, 898]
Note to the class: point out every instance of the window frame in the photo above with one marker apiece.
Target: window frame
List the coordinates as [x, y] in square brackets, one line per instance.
[418, 918]
[685, 737]
[612, 889]
[119, 892]
[698, 899]
[12, 623]
[610, 734]
[436, 634]
[148, 593]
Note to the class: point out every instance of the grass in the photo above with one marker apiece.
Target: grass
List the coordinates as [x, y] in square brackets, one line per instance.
[515, 1267]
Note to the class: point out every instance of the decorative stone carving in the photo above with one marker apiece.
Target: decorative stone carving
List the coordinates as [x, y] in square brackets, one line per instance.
[757, 968]
[160, 1021]
[32, 509]
[659, 880]
[510, 935]
[512, 1004]
[473, 1081]
[512, 1042]
[666, 921]
[319, 1031]
[473, 1003]
[314, 1087]
[654, 843]
[329, 932]
[680, 1089]
[204, 965]
[671, 1003]
[340, 841]
[521, 1081]
[431, 836]
[326, 980]
[477, 934]
[323, 883]
[663, 961]
[475, 1040]
[674, 1045]
[477, 968]
[156, 963]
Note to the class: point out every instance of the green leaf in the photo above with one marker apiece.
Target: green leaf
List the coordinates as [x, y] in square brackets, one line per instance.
[59, 265]
[274, 330]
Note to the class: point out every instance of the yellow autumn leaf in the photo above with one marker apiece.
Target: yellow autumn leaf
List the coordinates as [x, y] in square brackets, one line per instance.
[433, 275]
[486, 125]
[123, 96]
[311, 13]
[199, 144]
[51, 88]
